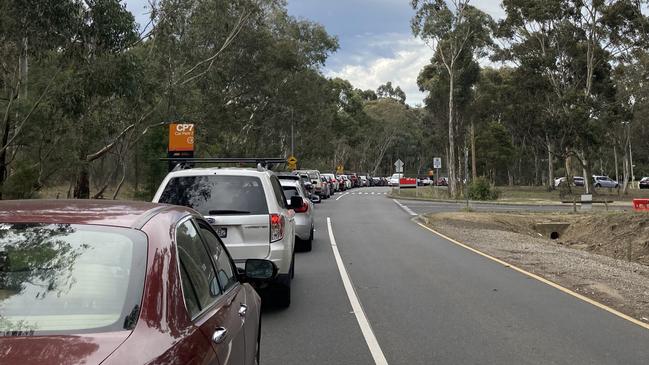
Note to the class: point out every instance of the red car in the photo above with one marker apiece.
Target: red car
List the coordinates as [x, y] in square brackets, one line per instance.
[90, 282]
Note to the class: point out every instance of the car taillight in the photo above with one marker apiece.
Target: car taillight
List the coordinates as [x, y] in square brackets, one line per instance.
[276, 227]
[303, 209]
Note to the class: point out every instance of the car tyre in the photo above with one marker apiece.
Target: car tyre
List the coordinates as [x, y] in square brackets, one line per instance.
[291, 271]
[598, 185]
[307, 245]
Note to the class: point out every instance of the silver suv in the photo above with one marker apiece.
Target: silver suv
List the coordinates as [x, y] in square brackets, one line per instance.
[248, 211]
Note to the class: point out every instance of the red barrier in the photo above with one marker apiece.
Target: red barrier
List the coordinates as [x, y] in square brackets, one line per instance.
[407, 182]
[641, 205]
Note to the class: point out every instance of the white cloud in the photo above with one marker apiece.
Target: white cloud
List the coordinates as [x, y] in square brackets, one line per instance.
[406, 58]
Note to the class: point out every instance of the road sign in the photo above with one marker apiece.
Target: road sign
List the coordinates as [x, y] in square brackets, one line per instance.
[292, 163]
[340, 169]
[181, 137]
[398, 166]
[437, 163]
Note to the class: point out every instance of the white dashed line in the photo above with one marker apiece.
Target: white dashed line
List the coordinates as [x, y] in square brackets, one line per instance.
[366, 329]
[338, 198]
[408, 210]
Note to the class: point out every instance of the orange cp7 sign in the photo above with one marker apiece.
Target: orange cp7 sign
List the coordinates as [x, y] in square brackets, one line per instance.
[181, 137]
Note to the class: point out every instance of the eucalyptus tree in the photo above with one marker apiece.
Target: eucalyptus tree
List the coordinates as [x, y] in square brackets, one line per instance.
[574, 44]
[453, 29]
[30, 32]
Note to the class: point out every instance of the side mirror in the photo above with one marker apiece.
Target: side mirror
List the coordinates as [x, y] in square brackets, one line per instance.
[260, 270]
[296, 202]
[315, 199]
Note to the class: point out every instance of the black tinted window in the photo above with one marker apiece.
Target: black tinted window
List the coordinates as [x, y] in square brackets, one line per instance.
[214, 195]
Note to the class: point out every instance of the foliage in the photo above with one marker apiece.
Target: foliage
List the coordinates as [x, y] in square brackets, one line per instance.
[481, 189]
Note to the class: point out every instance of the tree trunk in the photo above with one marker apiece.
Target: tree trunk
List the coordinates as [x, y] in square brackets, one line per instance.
[536, 167]
[550, 163]
[474, 167]
[4, 171]
[617, 173]
[452, 178]
[82, 185]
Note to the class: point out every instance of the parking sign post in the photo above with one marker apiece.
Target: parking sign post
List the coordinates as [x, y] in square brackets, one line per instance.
[437, 164]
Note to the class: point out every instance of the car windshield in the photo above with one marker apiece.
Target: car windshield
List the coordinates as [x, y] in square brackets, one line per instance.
[64, 279]
[217, 194]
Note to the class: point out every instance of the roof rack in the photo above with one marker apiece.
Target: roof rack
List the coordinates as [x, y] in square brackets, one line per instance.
[261, 162]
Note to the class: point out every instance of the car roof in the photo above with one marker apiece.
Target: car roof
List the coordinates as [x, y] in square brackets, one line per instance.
[289, 182]
[99, 212]
[288, 177]
[203, 171]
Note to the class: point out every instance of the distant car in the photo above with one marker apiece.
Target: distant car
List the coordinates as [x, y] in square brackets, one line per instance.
[364, 181]
[248, 211]
[426, 181]
[394, 180]
[355, 181]
[113, 282]
[296, 178]
[341, 183]
[576, 180]
[326, 188]
[604, 182]
[316, 180]
[304, 226]
[442, 181]
[348, 181]
[644, 183]
[332, 180]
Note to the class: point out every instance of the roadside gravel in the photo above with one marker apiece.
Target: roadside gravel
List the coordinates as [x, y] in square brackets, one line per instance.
[619, 284]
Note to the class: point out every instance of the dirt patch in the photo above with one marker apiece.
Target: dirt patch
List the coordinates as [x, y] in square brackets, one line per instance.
[589, 257]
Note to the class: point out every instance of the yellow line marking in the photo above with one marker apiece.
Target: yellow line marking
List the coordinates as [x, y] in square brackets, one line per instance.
[541, 279]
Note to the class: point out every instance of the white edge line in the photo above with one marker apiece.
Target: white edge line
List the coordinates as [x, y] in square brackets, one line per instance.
[341, 196]
[539, 278]
[363, 323]
[408, 210]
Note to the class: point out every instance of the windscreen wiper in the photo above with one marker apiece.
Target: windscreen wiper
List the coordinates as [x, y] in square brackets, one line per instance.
[228, 211]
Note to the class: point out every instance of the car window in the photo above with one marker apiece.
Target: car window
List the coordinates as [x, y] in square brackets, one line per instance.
[217, 194]
[200, 287]
[58, 279]
[277, 190]
[226, 273]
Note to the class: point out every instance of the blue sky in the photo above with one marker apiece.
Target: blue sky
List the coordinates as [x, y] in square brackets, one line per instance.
[376, 44]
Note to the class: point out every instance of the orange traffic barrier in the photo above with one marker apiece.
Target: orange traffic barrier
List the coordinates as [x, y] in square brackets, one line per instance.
[640, 205]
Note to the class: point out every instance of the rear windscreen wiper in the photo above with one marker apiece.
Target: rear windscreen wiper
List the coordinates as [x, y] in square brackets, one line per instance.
[228, 211]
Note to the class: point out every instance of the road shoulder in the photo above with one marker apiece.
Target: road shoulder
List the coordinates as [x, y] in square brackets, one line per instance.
[620, 285]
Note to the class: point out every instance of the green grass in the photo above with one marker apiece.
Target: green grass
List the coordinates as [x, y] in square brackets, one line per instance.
[527, 193]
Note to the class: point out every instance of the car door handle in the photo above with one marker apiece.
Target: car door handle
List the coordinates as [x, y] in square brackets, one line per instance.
[243, 310]
[219, 335]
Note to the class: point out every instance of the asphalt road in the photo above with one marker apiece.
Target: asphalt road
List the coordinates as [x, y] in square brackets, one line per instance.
[429, 301]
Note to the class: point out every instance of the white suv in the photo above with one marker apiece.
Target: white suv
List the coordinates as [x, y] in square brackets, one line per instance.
[247, 209]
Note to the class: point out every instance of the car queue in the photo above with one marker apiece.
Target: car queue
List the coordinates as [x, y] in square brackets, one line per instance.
[180, 280]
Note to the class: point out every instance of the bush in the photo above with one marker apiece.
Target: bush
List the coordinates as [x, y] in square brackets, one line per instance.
[21, 184]
[480, 189]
